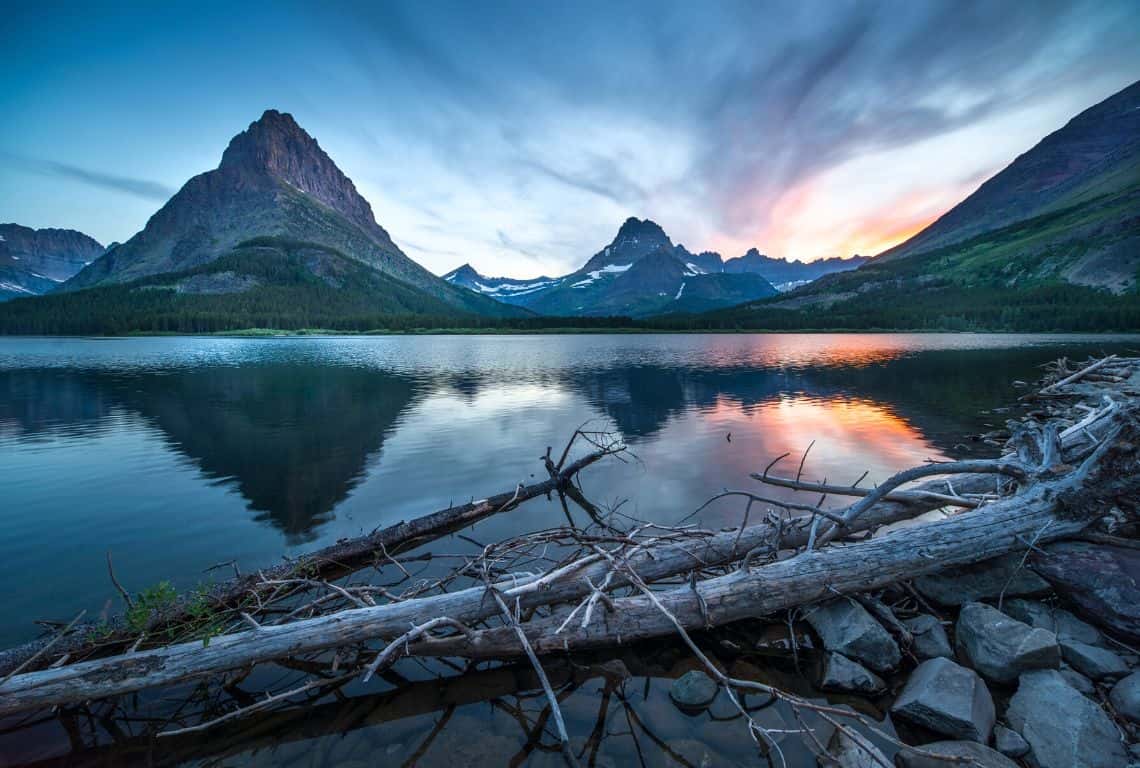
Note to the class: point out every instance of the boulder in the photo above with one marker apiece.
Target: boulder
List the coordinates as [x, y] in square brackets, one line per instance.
[1077, 680]
[853, 752]
[1062, 727]
[1060, 622]
[845, 627]
[842, 674]
[693, 690]
[930, 639]
[949, 699]
[988, 578]
[1009, 742]
[980, 756]
[999, 647]
[1102, 581]
[1125, 697]
[1093, 662]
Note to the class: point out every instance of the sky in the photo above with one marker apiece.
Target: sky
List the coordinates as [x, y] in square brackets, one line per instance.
[517, 136]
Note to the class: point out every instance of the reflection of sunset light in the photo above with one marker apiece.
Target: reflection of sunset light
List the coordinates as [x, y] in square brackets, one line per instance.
[847, 437]
[796, 350]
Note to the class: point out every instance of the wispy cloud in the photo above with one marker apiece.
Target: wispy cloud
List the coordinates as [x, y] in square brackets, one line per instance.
[144, 188]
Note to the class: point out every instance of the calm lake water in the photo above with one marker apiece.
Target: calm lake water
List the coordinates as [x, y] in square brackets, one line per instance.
[175, 454]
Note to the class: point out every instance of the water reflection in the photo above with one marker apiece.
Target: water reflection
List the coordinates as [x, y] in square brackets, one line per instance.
[179, 453]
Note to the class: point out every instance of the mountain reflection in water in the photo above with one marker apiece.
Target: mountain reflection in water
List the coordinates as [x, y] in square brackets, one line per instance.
[179, 453]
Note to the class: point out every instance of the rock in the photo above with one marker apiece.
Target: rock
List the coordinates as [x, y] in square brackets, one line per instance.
[1001, 648]
[845, 627]
[981, 756]
[842, 674]
[1101, 580]
[693, 690]
[853, 752]
[1125, 697]
[949, 699]
[1009, 742]
[693, 752]
[1063, 728]
[1057, 620]
[1077, 680]
[956, 586]
[930, 639]
[1095, 663]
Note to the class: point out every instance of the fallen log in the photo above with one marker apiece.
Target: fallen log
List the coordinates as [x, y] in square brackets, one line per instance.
[1049, 511]
[171, 664]
[335, 560]
[738, 595]
[1054, 501]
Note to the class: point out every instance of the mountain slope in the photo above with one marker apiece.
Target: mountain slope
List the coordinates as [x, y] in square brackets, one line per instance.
[36, 261]
[261, 283]
[1096, 155]
[1068, 260]
[274, 180]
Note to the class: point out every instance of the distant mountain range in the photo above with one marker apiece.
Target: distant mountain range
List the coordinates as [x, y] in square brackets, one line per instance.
[35, 261]
[1050, 242]
[277, 236]
[641, 273]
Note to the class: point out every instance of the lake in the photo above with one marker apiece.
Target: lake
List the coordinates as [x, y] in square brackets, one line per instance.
[176, 454]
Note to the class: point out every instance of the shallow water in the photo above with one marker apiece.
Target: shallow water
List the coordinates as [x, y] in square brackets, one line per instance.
[175, 454]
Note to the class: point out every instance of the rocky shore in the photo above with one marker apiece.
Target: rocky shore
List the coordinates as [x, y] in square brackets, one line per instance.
[1021, 660]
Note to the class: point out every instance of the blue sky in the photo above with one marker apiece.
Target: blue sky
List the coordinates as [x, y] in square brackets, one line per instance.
[518, 136]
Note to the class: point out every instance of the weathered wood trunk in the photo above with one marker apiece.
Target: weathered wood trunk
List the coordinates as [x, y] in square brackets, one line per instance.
[1049, 510]
[332, 561]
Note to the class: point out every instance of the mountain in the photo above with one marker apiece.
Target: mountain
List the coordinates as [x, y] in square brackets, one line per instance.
[1052, 242]
[505, 289]
[641, 272]
[785, 274]
[36, 261]
[265, 282]
[274, 180]
[1095, 157]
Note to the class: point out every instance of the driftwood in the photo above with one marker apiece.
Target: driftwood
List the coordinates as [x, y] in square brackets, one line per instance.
[244, 592]
[1059, 478]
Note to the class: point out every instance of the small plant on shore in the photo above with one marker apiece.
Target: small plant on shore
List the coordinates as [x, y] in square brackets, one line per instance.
[151, 600]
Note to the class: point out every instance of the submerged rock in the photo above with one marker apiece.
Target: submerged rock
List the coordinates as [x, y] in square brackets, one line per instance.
[842, 674]
[845, 627]
[981, 756]
[1000, 647]
[949, 699]
[988, 578]
[1009, 742]
[1093, 662]
[693, 690]
[930, 640]
[1060, 622]
[1125, 697]
[1102, 581]
[1062, 727]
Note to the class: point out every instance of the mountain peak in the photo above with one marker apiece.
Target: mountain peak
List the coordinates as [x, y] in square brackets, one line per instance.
[276, 146]
[270, 143]
[634, 229]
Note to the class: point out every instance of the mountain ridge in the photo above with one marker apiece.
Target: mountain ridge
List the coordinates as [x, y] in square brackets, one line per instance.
[35, 261]
[614, 268]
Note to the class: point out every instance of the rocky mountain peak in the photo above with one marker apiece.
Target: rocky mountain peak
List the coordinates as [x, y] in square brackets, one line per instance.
[634, 230]
[277, 147]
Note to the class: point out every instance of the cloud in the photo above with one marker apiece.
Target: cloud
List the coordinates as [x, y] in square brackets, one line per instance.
[144, 188]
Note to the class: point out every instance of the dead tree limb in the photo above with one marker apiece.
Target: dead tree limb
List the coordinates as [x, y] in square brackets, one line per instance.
[337, 559]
